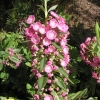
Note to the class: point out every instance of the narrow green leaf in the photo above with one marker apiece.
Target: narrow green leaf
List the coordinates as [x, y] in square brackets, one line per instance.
[14, 59]
[28, 86]
[60, 83]
[78, 95]
[42, 82]
[55, 95]
[1, 67]
[97, 29]
[97, 32]
[28, 64]
[53, 8]
[63, 72]
[42, 63]
[56, 46]
[42, 8]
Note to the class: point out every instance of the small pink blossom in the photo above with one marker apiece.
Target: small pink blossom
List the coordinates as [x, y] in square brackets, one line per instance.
[50, 89]
[83, 46]
[50, 75]
[64, 62]
[30, 19]
[63, 27]
[49, 62]
[36, 97]
[48, 68]
[35, 39]
[63, 94]
[46, 41]
[48, 97]
[65, 50]
[61, 20]
[36, 26]
[49, 81]
[29, 31]
[42, 29]
[53, 23]
[46, 51]
[54, 14]
[87, 41]
[38, 75]
[63, 42]
[55, 67]
[51, 48]
[94, 75]
[51, 34]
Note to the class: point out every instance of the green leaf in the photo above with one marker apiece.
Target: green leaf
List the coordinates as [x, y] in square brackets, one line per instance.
[56, 46]
[2, 75]
[60, 83]
[42, 63]
[42, 82]
[53, 8]
[14, 59]
[63, 72]
[1, 67]
[55, 95]
[77, 95]
[42, 8]
[28, 64]
[28, 86]
[68, 17]
[97, 32]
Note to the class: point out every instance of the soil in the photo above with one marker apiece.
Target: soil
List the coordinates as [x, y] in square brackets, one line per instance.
[86, 12]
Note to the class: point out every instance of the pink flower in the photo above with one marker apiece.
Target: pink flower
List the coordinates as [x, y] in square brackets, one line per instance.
[36, 26]
[48, 97]
[63, 94]
[38, 75]
[61, 20]
[83, 46]
[46, 41]
[53, 23]
[35, 39]
[65, 50]
[48, 68]
[51, 48]
[63, 27]
[55, 67]
[64, 62]
[42, 29]
[50, 75]
[49, 81]
[50, 89]
[63, 42]
[36, 97]
[51, 34]
[54, 14]
[49, 62]
[30, 19]
[94, 75]
[46, 51]
[29, 31]
[87, 41]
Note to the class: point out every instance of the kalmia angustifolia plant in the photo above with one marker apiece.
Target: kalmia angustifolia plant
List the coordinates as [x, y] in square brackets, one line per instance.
[90, 53]
[48, 45]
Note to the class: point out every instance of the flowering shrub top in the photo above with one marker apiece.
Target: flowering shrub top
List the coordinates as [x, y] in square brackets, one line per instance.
[88, 53]
[47, 42]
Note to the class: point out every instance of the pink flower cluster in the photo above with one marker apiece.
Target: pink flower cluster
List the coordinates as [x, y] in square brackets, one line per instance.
[42, 40]
[12, 53]
[89, 55]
